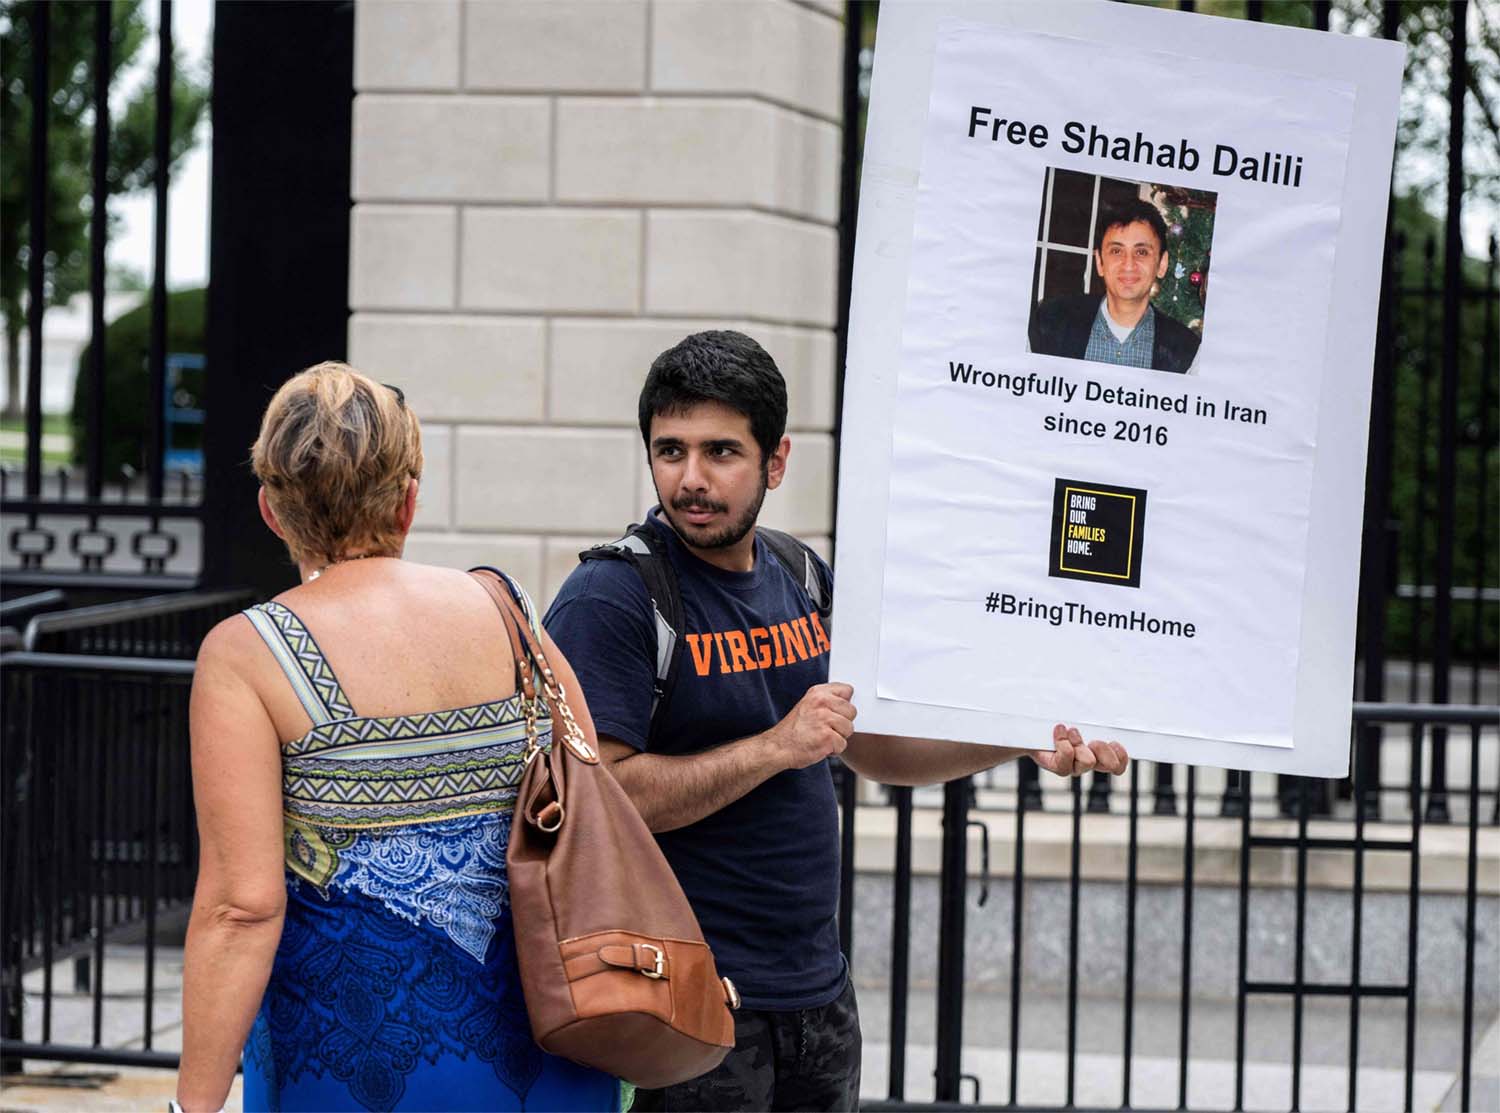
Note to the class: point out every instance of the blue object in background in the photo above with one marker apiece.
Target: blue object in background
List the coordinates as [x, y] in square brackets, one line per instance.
[179, 414]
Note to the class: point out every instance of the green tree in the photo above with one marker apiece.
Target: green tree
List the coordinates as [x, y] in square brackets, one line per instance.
[70, 131]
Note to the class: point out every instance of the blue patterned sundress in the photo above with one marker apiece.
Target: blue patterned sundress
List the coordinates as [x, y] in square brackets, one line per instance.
[395, 984]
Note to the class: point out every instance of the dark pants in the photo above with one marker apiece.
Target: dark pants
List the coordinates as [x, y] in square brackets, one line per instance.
[803, 1059]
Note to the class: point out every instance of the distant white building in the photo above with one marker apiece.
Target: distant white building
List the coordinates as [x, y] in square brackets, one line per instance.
[65, 333]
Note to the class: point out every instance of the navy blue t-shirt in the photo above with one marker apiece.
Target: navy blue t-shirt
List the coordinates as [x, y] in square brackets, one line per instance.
[762, 874]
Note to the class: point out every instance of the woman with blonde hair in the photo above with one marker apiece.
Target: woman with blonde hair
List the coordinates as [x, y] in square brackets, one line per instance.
[357, 743]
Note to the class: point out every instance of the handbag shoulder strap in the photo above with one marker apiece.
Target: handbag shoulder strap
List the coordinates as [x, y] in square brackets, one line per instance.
[520, 648]
[532, 666]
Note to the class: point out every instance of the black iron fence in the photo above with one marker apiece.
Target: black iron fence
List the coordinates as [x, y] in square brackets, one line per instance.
[1266, 844]
[65, 527]
[161, 626]
[98, 830]
[93, 855]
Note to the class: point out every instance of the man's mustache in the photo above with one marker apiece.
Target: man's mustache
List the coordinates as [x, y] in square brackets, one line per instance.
[698, 504]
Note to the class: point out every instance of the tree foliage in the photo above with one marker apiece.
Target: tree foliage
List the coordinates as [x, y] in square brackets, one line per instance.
[70, 132]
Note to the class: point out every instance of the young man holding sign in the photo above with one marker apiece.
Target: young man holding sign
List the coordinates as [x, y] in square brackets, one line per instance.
[724, 749]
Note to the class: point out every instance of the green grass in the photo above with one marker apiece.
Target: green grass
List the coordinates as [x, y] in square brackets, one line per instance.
[51, 423]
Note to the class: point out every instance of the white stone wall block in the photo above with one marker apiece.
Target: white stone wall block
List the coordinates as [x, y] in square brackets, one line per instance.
[560, 260]
[544, 480]
[807, 359]
[697, 151]
[597, 367]
[520, 556]
[451, 148]
[574, 45]
[645, 485]
[406, 44]
[770, 48]
[728, 263]
[560, 557]
[456, 368]
[660, 150]
[803, 166]
[435, 490]
[402, 257]
[803, 504]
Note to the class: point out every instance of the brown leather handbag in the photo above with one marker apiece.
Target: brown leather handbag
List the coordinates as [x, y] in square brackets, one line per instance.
[614, 967]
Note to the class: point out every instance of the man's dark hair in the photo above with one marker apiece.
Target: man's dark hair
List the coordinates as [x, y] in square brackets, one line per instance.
[1117, 216]
[718, 366]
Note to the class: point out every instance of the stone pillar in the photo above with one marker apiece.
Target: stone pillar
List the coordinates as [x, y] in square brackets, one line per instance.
[549, 192]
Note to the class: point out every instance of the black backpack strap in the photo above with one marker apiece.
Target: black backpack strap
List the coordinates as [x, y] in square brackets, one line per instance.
[647, 553]
[804, 566]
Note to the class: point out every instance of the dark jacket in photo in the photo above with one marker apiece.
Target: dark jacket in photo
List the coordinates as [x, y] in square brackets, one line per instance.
[1060, 327]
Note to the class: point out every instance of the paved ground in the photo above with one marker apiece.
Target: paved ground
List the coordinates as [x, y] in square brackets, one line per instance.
[92, 1088]
[1098, 1070]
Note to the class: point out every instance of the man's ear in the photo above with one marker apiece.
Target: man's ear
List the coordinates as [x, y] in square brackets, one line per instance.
[407, 512]
[1098, 263]
[268, 515]
[1161, 269]
[776, 465]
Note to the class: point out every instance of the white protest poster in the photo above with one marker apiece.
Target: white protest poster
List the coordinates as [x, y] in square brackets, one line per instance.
[1108, 382]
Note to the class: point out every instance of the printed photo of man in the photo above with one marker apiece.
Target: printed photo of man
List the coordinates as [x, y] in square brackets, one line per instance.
[1120, 325]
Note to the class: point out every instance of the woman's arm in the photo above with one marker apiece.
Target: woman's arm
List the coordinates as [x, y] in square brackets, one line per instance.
[241, 892]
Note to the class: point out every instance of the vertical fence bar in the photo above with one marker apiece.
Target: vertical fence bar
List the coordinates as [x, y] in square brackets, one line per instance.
[1419, 533]
[1243, 958]
[1413, 908]
[1362, 774]
[1164, 792]
[1321, 9]
[1471, 892]
[950, 987]
[98, 852]
[1099, 789]
[156, 419]
[900, 946]
[1453, 291]
[848, 803]
[1487, 363]
[1185, 1007]
[1234, 795]
[1131, 874]
[157, 737]
[1376, 565]
[16, 847]
[1029, 788]
[1075, 852]
[98, 240]
[48, 784]
[36, 262]
[1300, 942]
[1017, 940]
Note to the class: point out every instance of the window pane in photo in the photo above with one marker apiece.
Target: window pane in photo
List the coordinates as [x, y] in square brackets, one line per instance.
[1072, 199]
[1064, 274]
[1113, 192]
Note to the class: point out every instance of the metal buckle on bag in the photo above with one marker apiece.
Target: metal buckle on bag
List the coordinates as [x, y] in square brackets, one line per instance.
[660, 968]
[544, 821]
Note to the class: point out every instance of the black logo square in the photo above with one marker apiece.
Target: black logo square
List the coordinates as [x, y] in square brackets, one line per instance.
[1098, 530]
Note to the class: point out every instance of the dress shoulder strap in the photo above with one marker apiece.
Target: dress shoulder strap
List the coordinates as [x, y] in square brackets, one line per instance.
[306, 668]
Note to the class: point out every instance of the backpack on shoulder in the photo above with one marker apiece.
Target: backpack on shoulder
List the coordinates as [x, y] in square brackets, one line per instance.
[643, 549]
